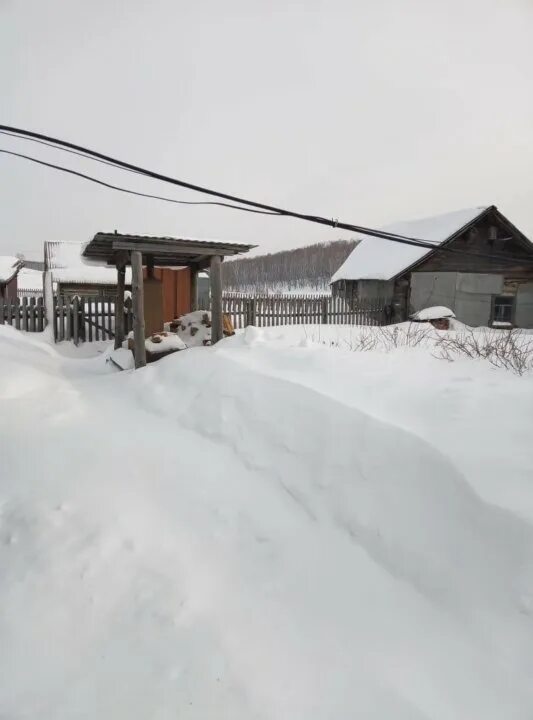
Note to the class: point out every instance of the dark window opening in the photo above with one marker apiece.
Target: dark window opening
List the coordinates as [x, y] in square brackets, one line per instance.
[503, 309]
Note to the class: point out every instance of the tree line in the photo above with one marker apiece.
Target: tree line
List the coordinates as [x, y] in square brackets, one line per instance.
[301, 269]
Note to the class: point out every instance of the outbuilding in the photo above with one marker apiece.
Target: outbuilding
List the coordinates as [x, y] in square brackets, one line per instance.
[481, 268]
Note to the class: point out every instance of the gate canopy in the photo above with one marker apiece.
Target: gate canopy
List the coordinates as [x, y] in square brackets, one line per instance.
[104, 248]
[138, 250]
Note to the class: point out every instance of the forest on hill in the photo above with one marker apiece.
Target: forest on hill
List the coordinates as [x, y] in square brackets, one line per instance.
[300, 270]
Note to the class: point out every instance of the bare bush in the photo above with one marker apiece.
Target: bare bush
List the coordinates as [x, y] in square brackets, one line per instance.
[511, 349]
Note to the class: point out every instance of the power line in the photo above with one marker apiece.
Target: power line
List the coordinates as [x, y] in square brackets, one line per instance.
[260, 208]
[215, 193]
[130, 192]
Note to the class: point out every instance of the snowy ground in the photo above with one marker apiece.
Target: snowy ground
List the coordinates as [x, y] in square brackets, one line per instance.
[272, 529]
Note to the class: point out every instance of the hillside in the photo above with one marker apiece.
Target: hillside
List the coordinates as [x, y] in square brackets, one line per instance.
[305, 269]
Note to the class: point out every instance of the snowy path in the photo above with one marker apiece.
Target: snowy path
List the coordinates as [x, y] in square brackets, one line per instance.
[226, 534]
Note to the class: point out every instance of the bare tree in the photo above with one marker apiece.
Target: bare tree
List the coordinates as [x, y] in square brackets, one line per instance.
[306, 267]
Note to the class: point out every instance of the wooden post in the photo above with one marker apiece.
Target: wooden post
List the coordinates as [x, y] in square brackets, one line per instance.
[194, 288]
[76, 319]
[137, 291]
[215, 277]
[119, 306]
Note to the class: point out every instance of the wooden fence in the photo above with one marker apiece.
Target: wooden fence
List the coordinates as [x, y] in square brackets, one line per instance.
[25, 313]
[268, 311]
[86, 319]
[90, 318]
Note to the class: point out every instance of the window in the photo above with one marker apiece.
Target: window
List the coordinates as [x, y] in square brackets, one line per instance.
[503, 309]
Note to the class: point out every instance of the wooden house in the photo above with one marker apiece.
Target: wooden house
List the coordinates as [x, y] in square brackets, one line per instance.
[9, 269]
[481, 267]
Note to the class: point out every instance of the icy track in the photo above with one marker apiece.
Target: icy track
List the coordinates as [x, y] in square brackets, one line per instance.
[268, 530]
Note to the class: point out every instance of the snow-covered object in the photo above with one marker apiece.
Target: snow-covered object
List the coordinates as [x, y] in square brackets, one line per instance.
[433, 313]
[194, 328]
[30, 280]
[162, 343]
[9, 264]
[266, 532]
[378, 259]
[122, 358]
[68, 265]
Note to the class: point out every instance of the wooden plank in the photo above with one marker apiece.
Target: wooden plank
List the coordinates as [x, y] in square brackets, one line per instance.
[88, 318]
[68, 311]
[16, 310]
[137, 289]
[2, 310]
[194, 288]
[215, 277]
[110, 331]
[75, 320]
[119, 307]
[24, 310]
[61, 317]
[31, 315]
[40, 314]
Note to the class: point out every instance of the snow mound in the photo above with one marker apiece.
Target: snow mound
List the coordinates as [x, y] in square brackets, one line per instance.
[433, 313]
[269, 550]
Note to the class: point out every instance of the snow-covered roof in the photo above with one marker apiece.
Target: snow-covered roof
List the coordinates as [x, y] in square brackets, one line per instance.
[9, 265]
[29, 279]
[67, 265]
[378, 259]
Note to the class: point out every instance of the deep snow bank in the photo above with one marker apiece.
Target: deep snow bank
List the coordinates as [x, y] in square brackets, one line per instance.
[204, 539]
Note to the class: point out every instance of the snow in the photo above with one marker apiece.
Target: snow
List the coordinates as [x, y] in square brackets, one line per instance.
[378, 259]
[274, 527]
[166, 343]
[30, 280]
[195, 328]
[68, 265]
[8, 267]
[433, 313]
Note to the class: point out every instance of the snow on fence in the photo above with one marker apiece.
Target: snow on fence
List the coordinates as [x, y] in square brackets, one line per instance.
[26, 313]
[267, 311]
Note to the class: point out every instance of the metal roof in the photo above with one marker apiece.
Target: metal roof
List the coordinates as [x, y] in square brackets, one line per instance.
[165, 251]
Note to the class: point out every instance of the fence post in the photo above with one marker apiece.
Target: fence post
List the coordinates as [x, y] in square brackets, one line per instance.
[324, 318]
[75, 319]
[251, 312]
[16, 307]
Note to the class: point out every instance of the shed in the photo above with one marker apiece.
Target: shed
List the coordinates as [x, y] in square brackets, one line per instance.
[157, 254]
[481, 267]
[9, 268]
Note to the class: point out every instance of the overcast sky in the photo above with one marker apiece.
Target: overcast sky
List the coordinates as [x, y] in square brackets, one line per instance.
[368, 111]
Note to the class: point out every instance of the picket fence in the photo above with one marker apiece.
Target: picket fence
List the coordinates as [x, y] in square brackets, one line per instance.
[87, 318]
[90, 318]
[269, 311]
[25, 313]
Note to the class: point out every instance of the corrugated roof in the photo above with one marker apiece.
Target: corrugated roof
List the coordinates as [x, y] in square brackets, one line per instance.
[380, 259]
[29, 279]
[65, 261]
[165, 251]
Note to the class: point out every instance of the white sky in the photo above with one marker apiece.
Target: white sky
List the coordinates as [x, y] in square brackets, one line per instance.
[369, 111]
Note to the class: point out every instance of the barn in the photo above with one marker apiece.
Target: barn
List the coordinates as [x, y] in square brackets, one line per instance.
[481, 267]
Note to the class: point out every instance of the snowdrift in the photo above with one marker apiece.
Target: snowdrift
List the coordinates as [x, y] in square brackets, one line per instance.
[208, 539]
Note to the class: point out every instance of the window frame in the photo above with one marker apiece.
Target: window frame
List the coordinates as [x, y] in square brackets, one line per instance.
[512, 303]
